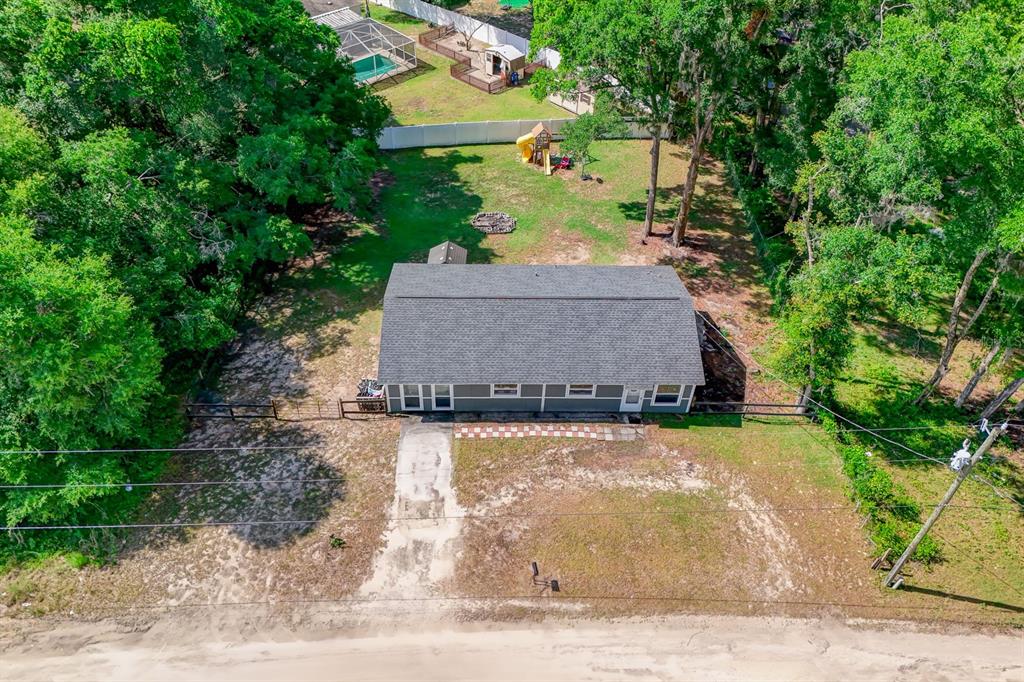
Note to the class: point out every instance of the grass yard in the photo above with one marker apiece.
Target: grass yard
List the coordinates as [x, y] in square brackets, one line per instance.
[431, 195]
[705, 515]
[983, 544]
[431, 95]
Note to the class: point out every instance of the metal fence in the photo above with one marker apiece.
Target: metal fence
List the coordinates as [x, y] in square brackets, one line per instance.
[290, 410]
[478, 132]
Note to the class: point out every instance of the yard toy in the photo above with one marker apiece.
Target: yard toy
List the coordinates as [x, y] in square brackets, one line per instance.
[535, 147]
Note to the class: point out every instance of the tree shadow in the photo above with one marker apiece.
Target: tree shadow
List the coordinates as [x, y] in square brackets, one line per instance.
[422, 67]
[426, 203]
[281, 478]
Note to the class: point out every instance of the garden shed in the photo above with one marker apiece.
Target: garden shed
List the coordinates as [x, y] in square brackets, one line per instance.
[501, 60]
[446, 253]
[538, 338]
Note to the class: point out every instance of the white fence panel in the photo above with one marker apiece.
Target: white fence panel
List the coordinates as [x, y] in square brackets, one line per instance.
[471, 133]
[481, 31]
[478, 132]
[503, 131]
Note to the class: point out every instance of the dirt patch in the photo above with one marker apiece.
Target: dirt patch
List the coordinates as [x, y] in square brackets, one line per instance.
[613, 519]
[333, 479]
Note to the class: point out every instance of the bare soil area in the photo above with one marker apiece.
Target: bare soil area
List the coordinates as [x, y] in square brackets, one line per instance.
[709, 517]
[692, 648]
[333, 478]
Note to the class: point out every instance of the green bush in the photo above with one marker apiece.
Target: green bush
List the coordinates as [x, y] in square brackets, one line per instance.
[893, 515]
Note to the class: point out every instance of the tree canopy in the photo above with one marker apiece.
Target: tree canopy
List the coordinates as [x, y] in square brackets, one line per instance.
[155, 159]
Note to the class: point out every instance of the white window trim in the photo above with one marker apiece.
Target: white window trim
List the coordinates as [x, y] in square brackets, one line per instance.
[593, 391]
[519, 391]
[401, 391]
[451, 397]
[679, 396]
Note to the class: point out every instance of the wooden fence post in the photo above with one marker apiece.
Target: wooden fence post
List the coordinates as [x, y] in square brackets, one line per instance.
[273, 406]
[341, 407]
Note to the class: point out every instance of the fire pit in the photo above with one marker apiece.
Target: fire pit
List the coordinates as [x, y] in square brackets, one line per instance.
[493, 222]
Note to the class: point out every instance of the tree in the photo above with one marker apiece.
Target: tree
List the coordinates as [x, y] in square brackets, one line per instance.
[626, 47]
[926, 137]
[580, 134]
[154, 160]
[854, 271]
[80, 365]
[719, 42]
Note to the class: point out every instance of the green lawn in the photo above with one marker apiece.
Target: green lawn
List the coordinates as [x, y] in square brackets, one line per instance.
[982, 536]
[433, 96]
[434, 193]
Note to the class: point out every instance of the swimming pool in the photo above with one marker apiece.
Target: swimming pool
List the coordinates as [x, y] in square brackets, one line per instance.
[373, 66]
[515, 4]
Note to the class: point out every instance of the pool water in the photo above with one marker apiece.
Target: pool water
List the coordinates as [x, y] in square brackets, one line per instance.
[515, 4]
[373, 66]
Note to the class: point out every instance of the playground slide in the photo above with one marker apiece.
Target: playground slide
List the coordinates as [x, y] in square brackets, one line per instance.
[525, 144]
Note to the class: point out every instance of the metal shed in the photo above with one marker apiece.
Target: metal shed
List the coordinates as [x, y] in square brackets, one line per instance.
[447, 252]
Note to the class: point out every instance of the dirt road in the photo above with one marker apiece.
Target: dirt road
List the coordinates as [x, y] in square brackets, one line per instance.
[684, 648]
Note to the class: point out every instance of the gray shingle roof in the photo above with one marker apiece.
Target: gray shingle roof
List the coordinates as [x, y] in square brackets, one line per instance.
[446, 253]
[464, 324]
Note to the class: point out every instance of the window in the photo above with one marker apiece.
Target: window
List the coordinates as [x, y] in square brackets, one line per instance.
[411, 396]
[581, 390]
[505, 391]
[667, 394]
[442, 397]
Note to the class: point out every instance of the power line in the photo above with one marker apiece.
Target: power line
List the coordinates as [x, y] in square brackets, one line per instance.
[101, 451]
[471, 517]
[339, 479]
[521, 597]
[978, 563]
[846, 419]
[257, 448]
[169, 484]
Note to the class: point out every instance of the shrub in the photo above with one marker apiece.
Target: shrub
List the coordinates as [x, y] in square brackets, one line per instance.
[893, 515]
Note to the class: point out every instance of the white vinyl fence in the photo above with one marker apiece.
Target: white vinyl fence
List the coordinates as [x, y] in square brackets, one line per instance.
[480, 30]
[477, 132]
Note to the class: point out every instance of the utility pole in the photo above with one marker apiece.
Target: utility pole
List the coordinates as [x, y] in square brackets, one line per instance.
[963, 466]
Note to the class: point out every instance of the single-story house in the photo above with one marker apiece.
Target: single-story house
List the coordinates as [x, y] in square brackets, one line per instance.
[538, 338]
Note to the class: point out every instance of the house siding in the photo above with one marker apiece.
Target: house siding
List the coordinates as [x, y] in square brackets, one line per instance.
[471, 390]
[608, 392]
[477, 398]
[531, 390]
[554, 390]
[497, 404]
[581, 405]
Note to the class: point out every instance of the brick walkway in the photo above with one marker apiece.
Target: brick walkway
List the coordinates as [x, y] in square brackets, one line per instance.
[594, 431]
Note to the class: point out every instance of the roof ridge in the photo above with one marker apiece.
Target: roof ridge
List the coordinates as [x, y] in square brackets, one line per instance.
[492, 297]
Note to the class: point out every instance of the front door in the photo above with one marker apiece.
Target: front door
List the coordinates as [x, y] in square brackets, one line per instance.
[632, 398]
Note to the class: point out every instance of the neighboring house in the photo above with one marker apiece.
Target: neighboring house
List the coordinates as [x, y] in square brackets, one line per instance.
[578, 103]
[538, 338]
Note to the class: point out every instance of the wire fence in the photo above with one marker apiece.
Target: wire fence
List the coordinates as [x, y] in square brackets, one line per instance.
[290, 410]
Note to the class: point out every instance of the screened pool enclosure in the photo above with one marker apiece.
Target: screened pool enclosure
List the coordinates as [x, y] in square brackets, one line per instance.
[377, 51]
